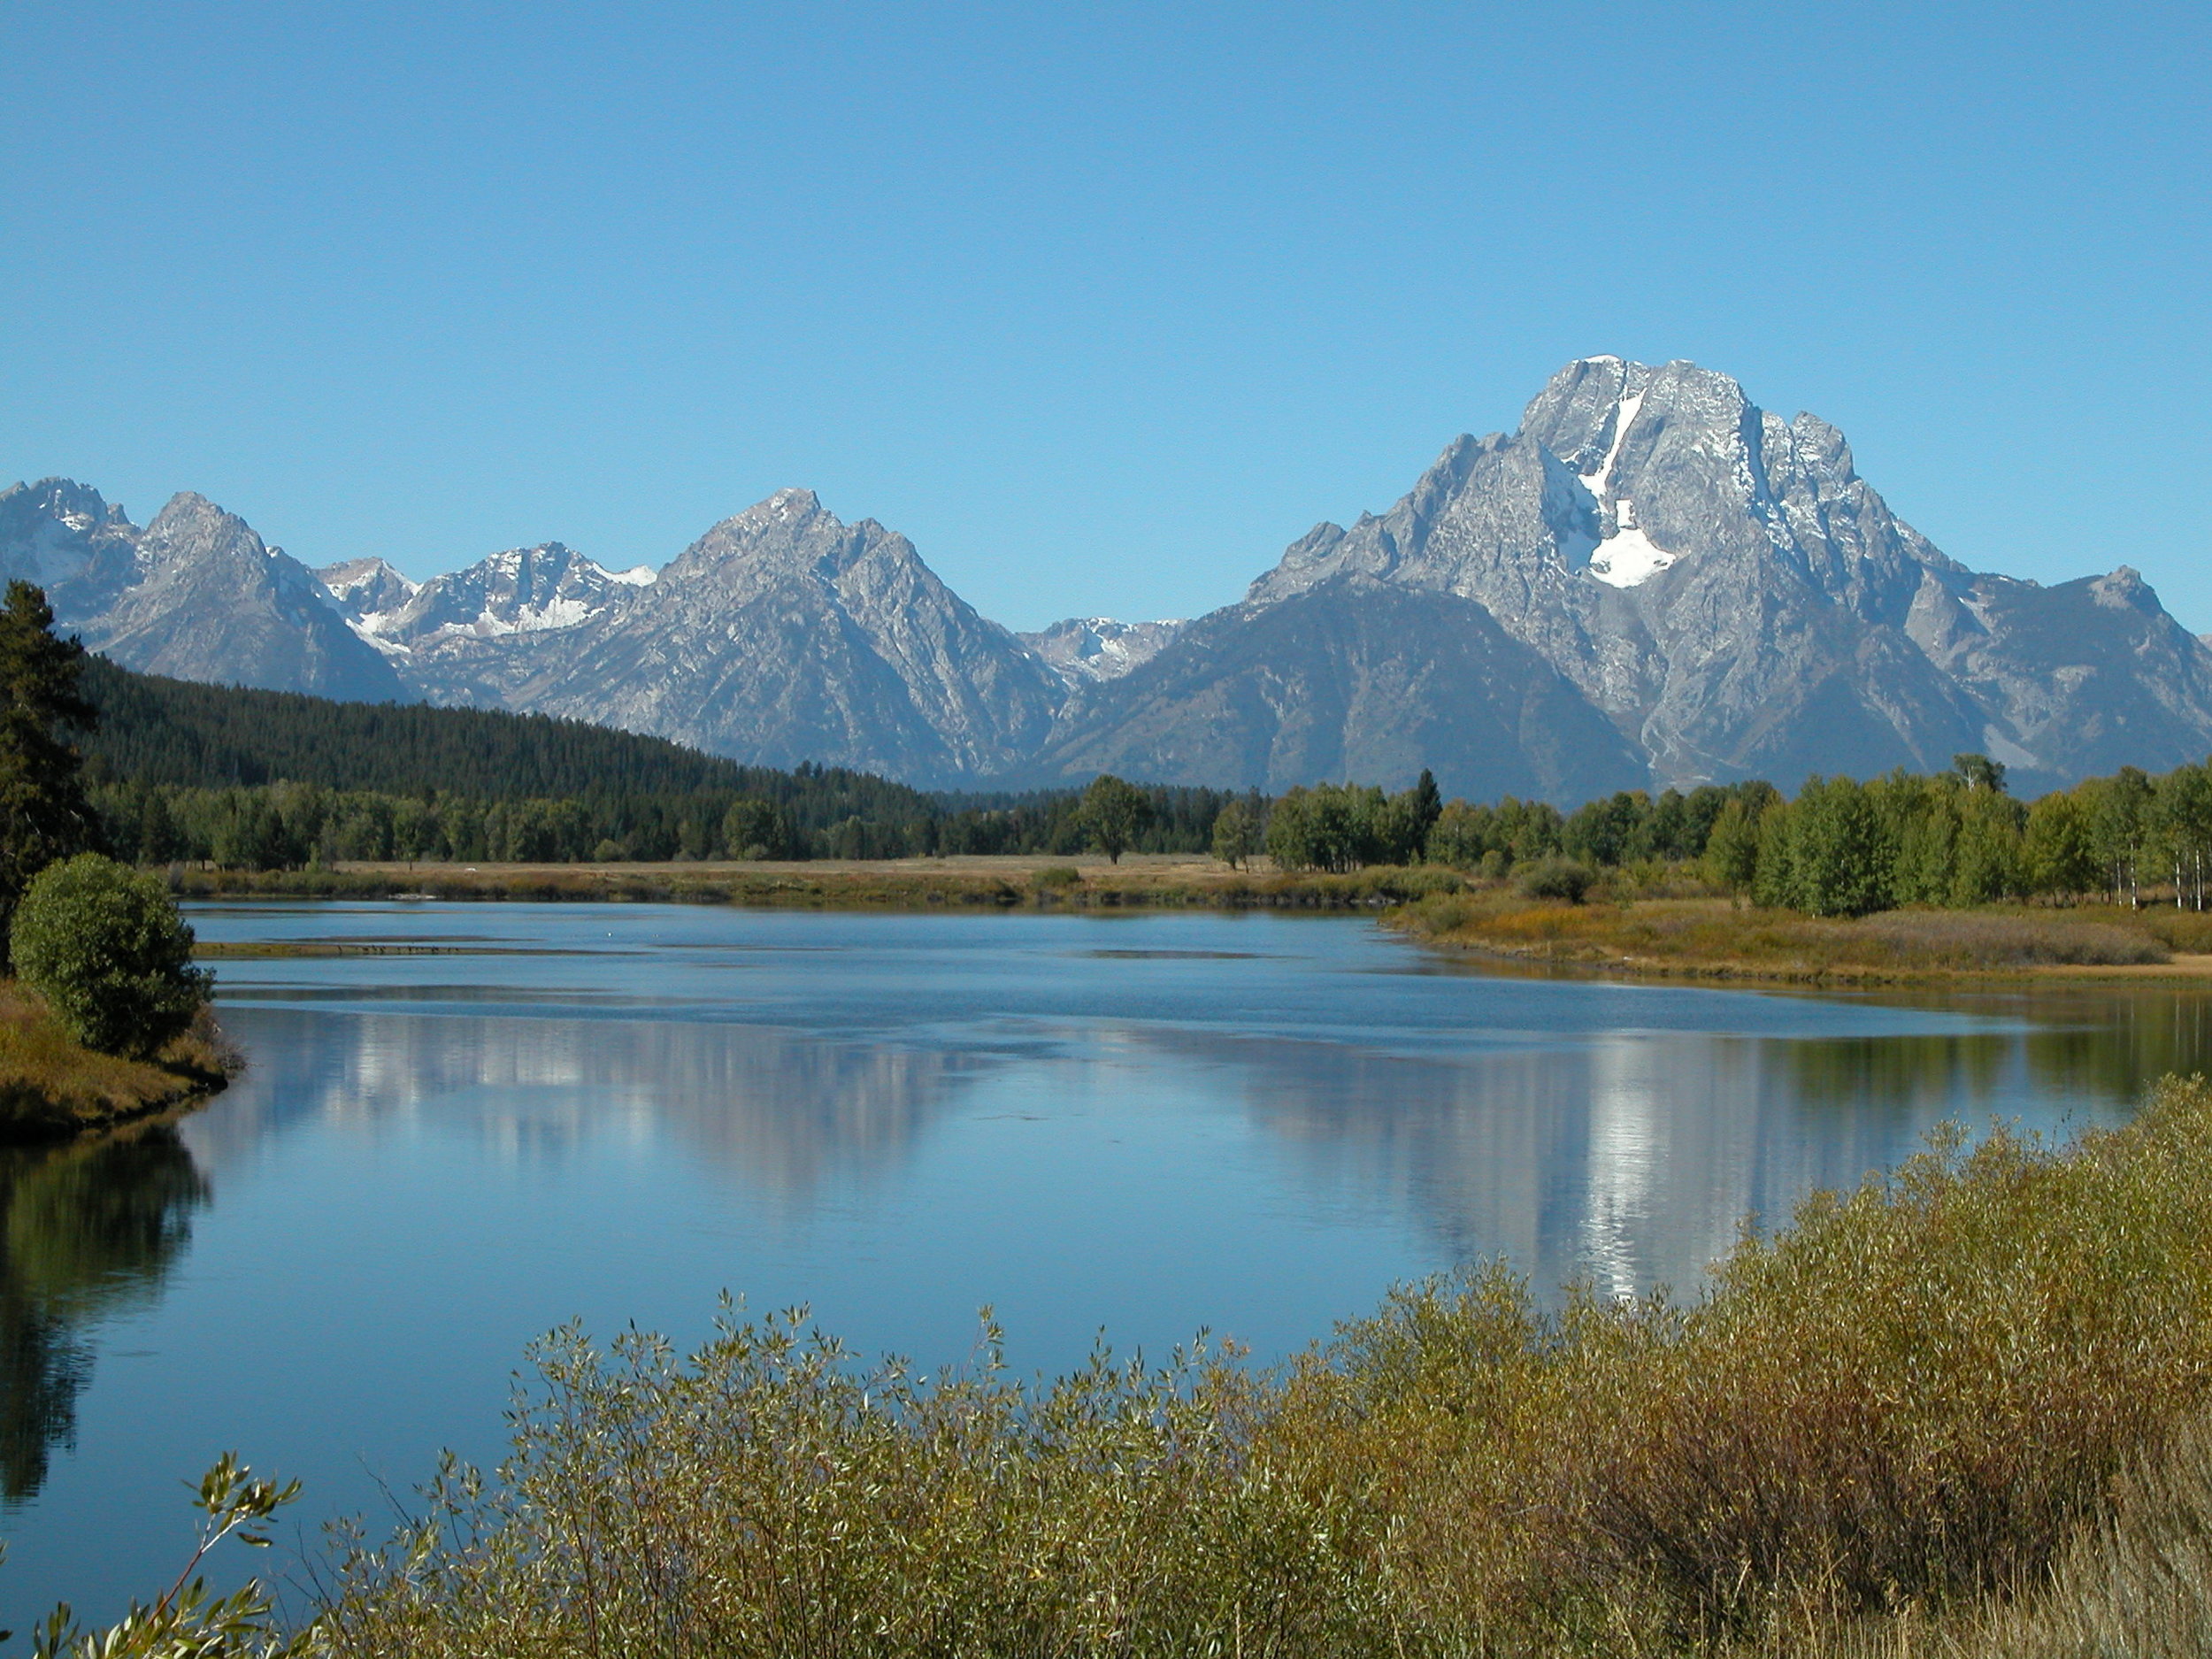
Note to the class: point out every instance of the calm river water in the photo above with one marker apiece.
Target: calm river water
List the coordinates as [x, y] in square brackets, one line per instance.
[1142, 1124]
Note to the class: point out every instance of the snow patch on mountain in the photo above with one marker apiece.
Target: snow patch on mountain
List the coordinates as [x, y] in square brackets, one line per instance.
[554, 613]
[1624, 556]
[1624, 416]
[544, 589]
[1628, 558]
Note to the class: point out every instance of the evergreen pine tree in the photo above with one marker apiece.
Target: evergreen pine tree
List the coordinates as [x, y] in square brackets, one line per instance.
[43, 813]
[1428, 806]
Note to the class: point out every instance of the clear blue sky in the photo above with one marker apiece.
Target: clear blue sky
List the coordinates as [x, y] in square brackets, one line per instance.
[1102, 305]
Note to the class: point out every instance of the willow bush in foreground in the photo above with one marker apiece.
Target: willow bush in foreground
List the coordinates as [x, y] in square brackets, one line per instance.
[762, 1499]
[1917, 1395]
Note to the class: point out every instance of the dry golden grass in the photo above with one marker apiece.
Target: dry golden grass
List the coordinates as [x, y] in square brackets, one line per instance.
[1716, 938]
[1139, 881]
[2134, 1582]
[51, 1086]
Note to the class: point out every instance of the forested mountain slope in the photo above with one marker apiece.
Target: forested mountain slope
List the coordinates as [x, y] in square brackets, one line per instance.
[158, 731]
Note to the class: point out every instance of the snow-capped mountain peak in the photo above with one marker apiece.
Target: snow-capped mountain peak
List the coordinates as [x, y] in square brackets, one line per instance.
[520, 590]
[1086, 649]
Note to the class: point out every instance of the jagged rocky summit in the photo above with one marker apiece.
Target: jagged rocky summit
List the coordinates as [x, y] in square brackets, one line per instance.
[195, 595]
[1720, 586]
[1652, 581]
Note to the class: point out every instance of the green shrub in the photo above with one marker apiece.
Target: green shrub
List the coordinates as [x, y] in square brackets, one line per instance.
[188, 1620]
[1057, 876]
[1557, 879]
[107, 950]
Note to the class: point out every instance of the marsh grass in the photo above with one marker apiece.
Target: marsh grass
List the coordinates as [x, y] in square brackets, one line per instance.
[1926, 1408]
[2134, 1582]
[2181, 930]
[52, 1085]
[914, 884]
[1712, 936]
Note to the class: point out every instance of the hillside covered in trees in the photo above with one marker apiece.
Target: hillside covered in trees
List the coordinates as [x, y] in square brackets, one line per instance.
[259, 779]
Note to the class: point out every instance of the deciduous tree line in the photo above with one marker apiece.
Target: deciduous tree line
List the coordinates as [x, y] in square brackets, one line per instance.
[1345, 826]
[1841, 848]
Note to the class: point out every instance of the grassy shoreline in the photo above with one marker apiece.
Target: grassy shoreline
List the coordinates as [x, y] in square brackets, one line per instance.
[52, 1087]
[1139, 881]
[1675, 935]
[1712, 939]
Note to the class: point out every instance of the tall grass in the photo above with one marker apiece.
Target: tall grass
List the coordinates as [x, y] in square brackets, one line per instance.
[2134, 1583]
[51, 1086]
[1906, 1413]
[1714, 936]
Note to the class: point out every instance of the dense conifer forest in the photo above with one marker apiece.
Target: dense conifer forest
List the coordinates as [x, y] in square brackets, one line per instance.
[266, 780]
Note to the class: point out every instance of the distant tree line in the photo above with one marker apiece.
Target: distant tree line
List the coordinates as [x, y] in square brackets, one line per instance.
[1842, 848]
[291, 826]
[180, 735]
[1345, 826]
[264, 780]
[258, 779]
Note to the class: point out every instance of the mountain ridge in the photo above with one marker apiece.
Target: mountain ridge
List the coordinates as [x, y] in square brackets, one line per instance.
[1688, 587]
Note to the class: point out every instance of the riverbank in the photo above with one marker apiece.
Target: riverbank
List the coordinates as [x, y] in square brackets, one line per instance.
[1664, 936]
[1717, 938]
[53, 1087]
[1087, 882]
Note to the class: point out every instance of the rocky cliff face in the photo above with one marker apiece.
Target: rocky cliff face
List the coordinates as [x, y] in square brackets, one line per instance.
[53, 532]
[1347, 679]
[1736, 599]
[1652, 581]
[366, 592]
[782, 635]
[195, 595]
[441, 636]
[523, 590]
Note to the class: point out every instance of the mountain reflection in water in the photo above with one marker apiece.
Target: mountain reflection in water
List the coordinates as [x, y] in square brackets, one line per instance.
[1631, 1158]
[782, 1109]
[1144, 1125]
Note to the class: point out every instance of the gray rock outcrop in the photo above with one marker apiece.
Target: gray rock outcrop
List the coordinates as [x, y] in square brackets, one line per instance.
[195, 595]
[1349, 678]
[783, 635]
[1736, 599]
